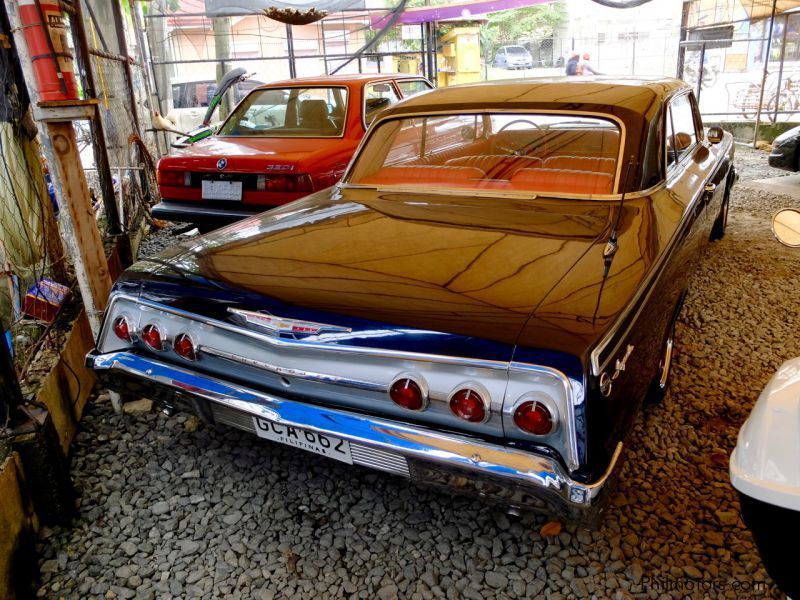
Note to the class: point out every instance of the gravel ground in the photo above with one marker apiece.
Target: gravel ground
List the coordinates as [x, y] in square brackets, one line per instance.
[170, 511]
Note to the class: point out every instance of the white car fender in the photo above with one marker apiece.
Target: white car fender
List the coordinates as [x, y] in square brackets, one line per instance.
[765, 464]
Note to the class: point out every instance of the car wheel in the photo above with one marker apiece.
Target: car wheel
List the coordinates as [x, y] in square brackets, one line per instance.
[721, 224]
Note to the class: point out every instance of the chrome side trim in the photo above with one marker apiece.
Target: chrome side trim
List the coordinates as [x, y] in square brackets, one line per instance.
[298, 373]
[540, 475]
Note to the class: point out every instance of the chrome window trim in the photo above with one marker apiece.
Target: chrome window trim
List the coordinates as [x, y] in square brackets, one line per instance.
[293, 137]
[669, 170]
[394, 87]
[400, 80]
[344, 182]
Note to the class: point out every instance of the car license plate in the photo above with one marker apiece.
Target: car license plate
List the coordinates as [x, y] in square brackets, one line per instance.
[222, 190]
[319, 443]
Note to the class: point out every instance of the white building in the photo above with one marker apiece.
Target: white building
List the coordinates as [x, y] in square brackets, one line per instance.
[631, 41]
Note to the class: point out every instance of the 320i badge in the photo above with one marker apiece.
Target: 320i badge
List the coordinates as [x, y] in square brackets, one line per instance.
[483, 302]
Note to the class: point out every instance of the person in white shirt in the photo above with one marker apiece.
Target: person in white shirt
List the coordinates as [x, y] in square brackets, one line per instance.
[586, 66]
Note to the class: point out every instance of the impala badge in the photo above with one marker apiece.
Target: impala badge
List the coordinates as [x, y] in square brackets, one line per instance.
[222, 163]
[275, 325]
[607, 382]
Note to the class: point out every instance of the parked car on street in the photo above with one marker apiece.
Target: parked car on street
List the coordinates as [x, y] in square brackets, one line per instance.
[483, 301]
[513, 57]
[764, 466]
[284, 141]
[784, 154]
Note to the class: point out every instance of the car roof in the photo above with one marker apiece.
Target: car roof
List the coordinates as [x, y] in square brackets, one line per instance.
[635, 94]
[344, 79]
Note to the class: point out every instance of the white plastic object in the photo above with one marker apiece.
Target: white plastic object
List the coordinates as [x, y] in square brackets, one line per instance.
[765, 464]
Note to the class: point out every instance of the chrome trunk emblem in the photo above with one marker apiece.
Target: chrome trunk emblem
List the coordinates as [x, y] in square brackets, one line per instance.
[275, 325]
[222, 163]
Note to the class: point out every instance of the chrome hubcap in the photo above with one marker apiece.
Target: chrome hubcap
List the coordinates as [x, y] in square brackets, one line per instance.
[665, 365]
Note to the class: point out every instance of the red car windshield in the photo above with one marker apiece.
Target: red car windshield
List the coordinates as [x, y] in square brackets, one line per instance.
[526, 152]
[289, 112]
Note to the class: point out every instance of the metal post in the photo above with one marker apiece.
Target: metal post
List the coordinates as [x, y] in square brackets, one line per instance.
[422, 53]
[96, 124]
[701, 70]
[684, 35]
[119, 24]
[431, 37]
[290, 48]
[780, 67]
[149, 77]
[10, 393]
[324, 47]
[766, 72]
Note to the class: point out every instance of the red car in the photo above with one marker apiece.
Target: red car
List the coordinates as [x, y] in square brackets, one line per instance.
[282, 142]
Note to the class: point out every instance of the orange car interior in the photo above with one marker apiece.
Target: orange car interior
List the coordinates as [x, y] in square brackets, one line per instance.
[561, 162]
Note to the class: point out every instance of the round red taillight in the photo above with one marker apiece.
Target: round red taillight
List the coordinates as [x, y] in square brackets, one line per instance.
[468, 405]
[151, 335]
[184, 347]
[121, 329]
[407, 393]
[534, 417]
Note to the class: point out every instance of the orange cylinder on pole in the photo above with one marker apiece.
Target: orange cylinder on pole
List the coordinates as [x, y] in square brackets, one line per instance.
[46, 36]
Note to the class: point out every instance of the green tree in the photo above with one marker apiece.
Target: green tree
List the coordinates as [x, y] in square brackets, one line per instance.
[522, 24]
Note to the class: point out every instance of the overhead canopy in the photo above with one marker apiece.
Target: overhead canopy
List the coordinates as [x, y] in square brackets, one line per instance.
[455, 10]
[219, 8]
[761, 9]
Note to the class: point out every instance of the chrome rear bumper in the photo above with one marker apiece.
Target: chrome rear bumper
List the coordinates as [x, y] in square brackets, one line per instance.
[508, 475]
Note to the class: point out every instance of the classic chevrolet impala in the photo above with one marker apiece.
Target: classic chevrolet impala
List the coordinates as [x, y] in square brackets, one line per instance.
[483, 302]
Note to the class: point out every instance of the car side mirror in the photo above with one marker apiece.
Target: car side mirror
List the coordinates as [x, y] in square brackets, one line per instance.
[786, 227]
[715, 134]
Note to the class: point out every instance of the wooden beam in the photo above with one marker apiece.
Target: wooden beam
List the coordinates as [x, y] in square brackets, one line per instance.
[81, 227]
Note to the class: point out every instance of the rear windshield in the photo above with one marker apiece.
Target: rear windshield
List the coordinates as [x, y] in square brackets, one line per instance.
[544, 153]
[289, 112]
[516, 50]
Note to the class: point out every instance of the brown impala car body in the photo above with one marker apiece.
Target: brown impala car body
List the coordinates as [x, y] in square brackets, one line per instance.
[483, 302]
